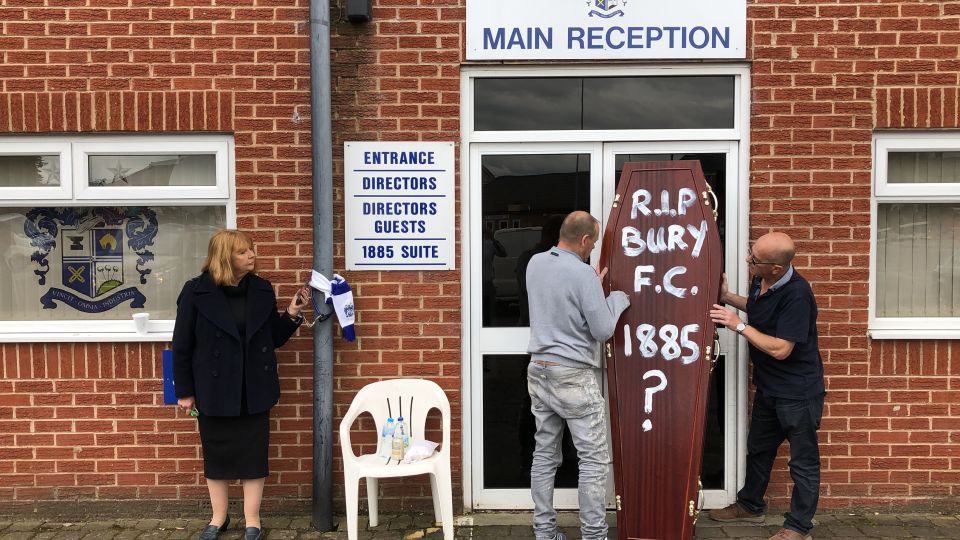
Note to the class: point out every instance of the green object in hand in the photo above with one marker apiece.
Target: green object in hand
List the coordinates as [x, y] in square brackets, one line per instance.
[194, 412]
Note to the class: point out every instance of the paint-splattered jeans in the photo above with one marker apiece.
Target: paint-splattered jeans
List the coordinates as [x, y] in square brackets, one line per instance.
[559, 393]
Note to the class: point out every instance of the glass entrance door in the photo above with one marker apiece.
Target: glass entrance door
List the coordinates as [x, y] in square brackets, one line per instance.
[524, 192]
[518, 194]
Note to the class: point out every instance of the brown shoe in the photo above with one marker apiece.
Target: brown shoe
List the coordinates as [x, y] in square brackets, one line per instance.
[735, 512]
[789, 534]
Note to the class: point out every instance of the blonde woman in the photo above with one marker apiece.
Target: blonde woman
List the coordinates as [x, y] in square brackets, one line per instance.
[225, 369]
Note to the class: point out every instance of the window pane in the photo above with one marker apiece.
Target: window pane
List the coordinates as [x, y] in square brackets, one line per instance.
[713, 462]
[30, 171]
[100, 263]
[604, 103]
[509, 427]
[524, 198]
[658, 103]
[154, 170]
[918, 272]
[527, 104]
[923, 167]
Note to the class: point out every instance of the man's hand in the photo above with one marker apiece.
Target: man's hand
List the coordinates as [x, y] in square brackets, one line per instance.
[776, 347]
[724, 317]
[724, 289]
[601, 273]
[729, 298]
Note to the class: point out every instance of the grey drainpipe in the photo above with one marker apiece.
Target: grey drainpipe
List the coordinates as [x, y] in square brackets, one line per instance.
[322, 166]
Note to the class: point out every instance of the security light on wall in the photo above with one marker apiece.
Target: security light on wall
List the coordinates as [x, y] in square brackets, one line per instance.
[359, 11]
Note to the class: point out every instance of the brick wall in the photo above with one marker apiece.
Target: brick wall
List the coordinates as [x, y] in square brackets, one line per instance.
[825, 75]
[86, 420]
[398, 79]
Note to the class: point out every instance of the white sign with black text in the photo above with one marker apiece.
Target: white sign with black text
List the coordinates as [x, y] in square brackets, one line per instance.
[399, 205]
[606, 29]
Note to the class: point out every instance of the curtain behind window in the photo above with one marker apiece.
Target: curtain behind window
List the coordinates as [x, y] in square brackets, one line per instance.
[918, 271]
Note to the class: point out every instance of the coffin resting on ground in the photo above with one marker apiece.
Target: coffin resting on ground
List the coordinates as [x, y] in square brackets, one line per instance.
[662, 248]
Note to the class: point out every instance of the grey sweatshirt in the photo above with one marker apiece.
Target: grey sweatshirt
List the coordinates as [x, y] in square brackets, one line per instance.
[569, 315]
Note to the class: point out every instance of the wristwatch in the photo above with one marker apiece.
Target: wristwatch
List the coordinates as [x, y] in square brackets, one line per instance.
[740, 328]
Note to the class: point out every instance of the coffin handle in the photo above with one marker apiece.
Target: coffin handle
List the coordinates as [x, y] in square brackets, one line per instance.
[715, 353]
[695, 510]
[715, 204]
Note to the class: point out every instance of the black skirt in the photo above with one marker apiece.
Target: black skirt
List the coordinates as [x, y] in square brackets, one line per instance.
[235, 447]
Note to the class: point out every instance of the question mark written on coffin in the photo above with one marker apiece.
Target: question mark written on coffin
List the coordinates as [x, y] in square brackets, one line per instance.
[648, 398]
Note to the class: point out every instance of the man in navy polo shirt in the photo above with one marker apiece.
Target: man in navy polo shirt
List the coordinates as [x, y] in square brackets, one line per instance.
[788, 374]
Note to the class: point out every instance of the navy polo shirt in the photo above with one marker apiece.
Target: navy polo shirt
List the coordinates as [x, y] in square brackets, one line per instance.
[788, 311]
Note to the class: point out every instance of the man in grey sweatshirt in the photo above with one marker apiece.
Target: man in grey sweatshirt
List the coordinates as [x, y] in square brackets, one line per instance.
[569, 317]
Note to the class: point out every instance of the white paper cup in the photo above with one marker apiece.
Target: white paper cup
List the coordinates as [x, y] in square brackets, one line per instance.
[140, 321]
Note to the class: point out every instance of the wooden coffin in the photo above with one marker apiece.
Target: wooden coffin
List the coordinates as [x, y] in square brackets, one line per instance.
[662, 248]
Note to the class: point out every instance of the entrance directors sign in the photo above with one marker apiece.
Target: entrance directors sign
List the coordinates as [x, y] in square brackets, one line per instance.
[399, 207]
[605, 29]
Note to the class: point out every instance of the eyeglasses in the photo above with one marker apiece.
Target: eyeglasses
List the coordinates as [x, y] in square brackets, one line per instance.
[753, 259]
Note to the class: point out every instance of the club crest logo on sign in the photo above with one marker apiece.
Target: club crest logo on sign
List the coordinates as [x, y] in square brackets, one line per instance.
[606, 8]
[97, 250]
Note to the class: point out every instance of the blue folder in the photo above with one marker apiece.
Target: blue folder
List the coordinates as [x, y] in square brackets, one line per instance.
[169, 396]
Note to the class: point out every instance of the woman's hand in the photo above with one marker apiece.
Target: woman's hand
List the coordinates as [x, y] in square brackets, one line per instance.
[187, 403]
[300, 299]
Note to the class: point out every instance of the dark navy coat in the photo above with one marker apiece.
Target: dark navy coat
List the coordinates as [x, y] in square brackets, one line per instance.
[207, 352]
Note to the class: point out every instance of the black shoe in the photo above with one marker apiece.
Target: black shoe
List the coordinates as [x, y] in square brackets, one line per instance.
[253, 533]
[211, 532]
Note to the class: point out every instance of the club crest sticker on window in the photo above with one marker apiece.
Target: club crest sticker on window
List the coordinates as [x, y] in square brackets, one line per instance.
[98, 251]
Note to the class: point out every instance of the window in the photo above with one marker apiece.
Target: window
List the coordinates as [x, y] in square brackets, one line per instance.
[915, 286]
[604, 103]
[95, 229]
[32, 170]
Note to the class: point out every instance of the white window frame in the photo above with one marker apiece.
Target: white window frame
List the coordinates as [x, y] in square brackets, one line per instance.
[82, 151]
[885, 192]
[74, 151]
[37, 146]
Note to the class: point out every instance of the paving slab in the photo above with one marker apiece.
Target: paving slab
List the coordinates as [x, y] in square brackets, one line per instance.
[506, 526]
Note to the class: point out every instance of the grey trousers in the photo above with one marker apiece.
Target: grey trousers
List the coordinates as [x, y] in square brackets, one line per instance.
[559, 394]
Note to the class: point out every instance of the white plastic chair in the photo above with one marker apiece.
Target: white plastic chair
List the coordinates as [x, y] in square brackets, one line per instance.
[373, 398]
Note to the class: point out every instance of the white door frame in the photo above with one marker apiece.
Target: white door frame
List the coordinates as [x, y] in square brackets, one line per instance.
[736, 239]
[509, 340]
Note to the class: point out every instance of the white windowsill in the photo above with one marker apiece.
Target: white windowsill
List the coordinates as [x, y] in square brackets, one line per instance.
[914, 333]
[85, 337]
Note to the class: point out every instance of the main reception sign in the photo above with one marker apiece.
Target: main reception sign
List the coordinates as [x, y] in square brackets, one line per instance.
[605, 29]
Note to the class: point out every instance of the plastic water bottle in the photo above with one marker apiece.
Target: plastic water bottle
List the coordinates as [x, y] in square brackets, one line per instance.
[396, 444]
[386, 438]
[405, 435]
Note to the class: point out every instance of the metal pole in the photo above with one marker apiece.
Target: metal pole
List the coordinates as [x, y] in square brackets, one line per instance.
[322, 161]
